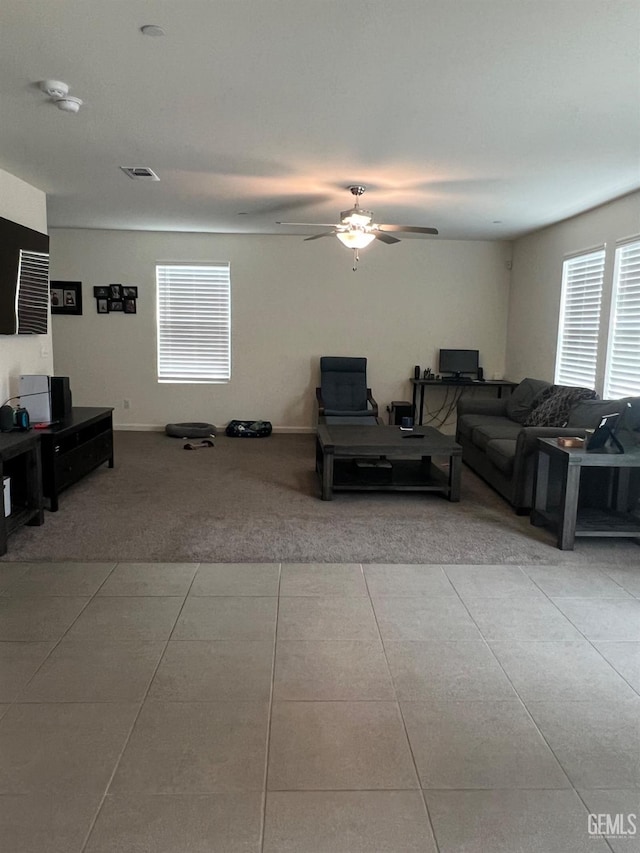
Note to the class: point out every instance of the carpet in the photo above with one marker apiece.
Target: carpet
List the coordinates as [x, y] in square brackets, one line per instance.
[257, 500]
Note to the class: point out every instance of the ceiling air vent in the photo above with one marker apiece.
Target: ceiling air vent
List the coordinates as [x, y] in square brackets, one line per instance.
[140, 173]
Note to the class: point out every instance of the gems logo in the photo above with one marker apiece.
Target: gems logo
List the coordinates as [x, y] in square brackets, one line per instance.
[612, 825]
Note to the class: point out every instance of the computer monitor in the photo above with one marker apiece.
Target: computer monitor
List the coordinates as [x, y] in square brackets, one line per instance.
[458, 362]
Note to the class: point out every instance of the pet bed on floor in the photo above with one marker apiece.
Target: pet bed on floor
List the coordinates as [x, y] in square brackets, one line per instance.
[190, 430]
[248, 429]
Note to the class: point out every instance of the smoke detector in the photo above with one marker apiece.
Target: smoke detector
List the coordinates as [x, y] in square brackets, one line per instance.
[54, 88]
[59, 94]
[69, 104]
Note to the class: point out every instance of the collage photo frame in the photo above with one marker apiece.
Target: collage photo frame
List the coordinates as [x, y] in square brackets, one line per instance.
[116, 299]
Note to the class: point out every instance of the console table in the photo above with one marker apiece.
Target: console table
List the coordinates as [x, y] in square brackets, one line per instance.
[460, 384]
[73, 448]
[557, 492]
[20, 460]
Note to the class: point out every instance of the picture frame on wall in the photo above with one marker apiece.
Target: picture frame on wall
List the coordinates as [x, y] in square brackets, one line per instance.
[115, 291]
[102, 306]
[116, 305]
[129, 292]
[130, 306]
[101, 292]
[65, 297]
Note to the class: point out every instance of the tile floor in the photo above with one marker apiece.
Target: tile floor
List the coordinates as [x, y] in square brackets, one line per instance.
[317, 708]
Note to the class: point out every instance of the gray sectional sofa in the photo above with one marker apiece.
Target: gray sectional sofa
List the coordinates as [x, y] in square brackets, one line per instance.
[499, 437]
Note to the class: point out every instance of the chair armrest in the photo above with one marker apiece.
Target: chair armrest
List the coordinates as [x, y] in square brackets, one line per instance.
[322, 405]
[473, 406]
[528, 436]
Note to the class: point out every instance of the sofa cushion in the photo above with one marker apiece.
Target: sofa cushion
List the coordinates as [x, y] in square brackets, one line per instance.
[587, 413]
[521, 400]
[467, 423]
[554, 409]
[630, 420]
[494, 428]
[502, 452]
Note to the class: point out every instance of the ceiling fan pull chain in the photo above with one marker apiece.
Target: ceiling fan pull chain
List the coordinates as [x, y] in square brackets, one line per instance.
[356, 258]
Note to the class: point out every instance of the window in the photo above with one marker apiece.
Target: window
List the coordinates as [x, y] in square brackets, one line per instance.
[622, 375]
[194, 322]
[579, 328]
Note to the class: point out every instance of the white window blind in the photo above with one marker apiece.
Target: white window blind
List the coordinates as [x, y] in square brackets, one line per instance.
[194, 322]
[577, 355]
[622, 376]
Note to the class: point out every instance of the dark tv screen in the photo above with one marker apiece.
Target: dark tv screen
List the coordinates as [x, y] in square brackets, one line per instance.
[24, 279]
[459, 361]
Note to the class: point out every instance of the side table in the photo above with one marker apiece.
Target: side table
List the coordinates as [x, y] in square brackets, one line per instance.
[557, 493]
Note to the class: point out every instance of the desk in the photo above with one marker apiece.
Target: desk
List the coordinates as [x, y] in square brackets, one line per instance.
[498, 384]
[20, 460]
[557, 491]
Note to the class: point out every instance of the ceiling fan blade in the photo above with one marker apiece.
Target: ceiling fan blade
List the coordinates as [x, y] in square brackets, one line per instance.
[311, 224]
[317, 236]
[413, 229]
[385, 238]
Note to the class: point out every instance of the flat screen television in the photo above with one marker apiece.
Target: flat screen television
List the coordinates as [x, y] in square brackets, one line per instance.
[24, 280]
[458, 363]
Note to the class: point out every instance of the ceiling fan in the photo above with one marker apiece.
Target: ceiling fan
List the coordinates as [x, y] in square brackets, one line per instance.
[357, 229]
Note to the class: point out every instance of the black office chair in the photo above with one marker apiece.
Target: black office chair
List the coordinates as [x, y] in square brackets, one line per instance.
[343, 391]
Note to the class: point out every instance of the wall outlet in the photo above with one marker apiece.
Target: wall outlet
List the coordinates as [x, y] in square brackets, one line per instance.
[127, 404]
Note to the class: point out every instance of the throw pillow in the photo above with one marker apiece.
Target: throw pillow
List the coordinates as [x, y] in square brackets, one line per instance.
[521, 401]
[553, 407]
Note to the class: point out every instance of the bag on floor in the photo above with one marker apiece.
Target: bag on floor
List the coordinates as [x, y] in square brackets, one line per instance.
[249, 429]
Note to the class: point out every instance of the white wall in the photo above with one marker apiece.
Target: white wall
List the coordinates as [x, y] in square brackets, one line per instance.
[536, 280]
[291, 303]
[22, 203]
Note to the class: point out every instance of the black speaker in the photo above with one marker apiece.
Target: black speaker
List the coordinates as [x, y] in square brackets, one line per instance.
[481, 374]
[60, 398]
[416, 372]
[6, 418]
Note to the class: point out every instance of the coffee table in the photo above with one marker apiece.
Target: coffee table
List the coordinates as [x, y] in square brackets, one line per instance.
[386, 458]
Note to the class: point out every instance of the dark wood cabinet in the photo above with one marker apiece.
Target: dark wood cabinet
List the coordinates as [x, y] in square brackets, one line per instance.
[20, 461]
[73, 448]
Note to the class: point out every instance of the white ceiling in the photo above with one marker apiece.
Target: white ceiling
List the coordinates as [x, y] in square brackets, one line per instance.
[454, 113]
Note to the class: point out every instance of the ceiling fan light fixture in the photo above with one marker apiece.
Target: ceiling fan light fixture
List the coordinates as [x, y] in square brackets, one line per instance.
[356, 216]
[355, 239]
[356, 228]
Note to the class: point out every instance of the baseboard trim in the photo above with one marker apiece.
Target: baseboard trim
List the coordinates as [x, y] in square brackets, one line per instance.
[295, 429]
[292, 430]
[138, 427]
